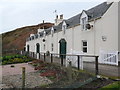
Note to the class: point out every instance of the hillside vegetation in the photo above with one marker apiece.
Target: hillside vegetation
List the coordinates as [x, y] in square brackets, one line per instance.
[16, 39]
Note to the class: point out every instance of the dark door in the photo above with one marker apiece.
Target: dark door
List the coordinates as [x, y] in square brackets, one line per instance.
[62, 47]
[37, 48]
[28, 47]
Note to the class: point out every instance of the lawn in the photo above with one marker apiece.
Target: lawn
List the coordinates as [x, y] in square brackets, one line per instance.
[113, 86]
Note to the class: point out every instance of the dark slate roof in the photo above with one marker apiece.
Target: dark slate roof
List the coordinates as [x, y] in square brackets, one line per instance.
[93, 13]
[98, 11]
[74, 20]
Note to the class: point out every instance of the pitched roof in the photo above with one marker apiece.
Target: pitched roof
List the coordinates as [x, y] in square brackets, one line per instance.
[98, 11]
[93, 13]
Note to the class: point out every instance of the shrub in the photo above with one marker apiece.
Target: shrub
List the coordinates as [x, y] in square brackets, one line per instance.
[4, 62]
[14, 59]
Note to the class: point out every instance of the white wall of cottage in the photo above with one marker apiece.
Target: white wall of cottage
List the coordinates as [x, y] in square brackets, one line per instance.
[119, 27]
[105, 26]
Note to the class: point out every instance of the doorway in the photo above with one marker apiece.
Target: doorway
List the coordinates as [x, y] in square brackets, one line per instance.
[62, 48]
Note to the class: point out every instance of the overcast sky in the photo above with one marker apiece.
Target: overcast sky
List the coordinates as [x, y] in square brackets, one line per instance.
[19, 13]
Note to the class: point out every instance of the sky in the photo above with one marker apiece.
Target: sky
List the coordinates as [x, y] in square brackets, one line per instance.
[19, 13]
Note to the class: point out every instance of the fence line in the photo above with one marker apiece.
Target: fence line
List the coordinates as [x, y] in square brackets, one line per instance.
[49, 57]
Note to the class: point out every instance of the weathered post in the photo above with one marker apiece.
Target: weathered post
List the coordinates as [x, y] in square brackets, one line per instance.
[61, 60]
[51, 58]
[23, 77]
[96, 65]
[78, 62]
[33, 54]
[69, 72]
[44, 56]
[39, 55]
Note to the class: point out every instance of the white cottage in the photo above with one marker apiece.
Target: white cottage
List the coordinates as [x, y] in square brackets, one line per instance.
[92, 32]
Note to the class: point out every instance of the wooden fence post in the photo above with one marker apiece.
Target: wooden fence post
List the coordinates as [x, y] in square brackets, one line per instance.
[61, 60]
[96, 65]
[69, 72]
[23, 77]
[39, 55]
[78, 62]
[44, 56]
[51, 58]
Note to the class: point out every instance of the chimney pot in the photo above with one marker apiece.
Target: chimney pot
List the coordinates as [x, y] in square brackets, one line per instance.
[61, 16]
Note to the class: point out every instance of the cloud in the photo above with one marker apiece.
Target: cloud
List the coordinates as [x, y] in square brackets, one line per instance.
[19, 13]
[53, 0]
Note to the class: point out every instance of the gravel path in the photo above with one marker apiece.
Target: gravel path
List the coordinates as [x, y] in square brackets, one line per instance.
[12, 76]
[32, 80]
[8, 70]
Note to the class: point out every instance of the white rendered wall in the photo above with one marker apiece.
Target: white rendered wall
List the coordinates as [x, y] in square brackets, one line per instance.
[105, 26]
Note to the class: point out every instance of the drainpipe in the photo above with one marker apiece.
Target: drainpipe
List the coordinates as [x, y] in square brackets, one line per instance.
[94, 37]
[72, 40]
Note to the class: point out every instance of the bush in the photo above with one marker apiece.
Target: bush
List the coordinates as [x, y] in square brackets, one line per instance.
[14, 59]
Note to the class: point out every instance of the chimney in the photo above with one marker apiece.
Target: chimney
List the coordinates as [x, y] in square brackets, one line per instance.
[43, 21]
[61, 16]
[56, 16]
[58, 20]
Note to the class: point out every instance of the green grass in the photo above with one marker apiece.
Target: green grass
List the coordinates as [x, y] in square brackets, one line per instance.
[113, 86]
[111, 77]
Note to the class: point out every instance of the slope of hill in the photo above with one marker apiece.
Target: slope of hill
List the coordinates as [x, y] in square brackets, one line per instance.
[16, 39]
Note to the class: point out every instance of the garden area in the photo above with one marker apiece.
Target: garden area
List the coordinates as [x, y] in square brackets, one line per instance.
[69, 77]
[13, 59]
[51, 75]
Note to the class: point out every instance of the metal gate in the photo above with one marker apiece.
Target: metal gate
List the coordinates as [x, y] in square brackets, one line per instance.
[108, 57]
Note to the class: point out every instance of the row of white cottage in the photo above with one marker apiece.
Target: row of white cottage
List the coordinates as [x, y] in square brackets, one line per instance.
[92, 32]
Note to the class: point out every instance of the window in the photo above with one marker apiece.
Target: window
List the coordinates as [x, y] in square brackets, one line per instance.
[52, 31]
[44, 33]
[44, 46]
[84, 22]
[64, 26]
[84, 46]
[52, 47]
[32, 37]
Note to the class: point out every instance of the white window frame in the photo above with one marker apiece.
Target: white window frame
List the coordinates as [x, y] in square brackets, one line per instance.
[64, 26]
[84, 46]
[44, 33]
[84, 22]
[52, 47]
[44, 46]
[52, 31]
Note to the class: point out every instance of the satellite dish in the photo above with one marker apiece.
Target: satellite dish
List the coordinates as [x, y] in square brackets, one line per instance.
[88, 26]
[43, 40]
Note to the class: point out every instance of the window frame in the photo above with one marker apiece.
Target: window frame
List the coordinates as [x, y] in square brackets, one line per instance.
[52, 47]
[84, 22]
[64, 28]
[44, 46]
[85, 46]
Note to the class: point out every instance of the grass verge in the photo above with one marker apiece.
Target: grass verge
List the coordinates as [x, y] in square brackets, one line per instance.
[113, 86]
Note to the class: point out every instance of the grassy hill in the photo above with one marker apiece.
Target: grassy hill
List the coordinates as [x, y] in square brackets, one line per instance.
[16, 39]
